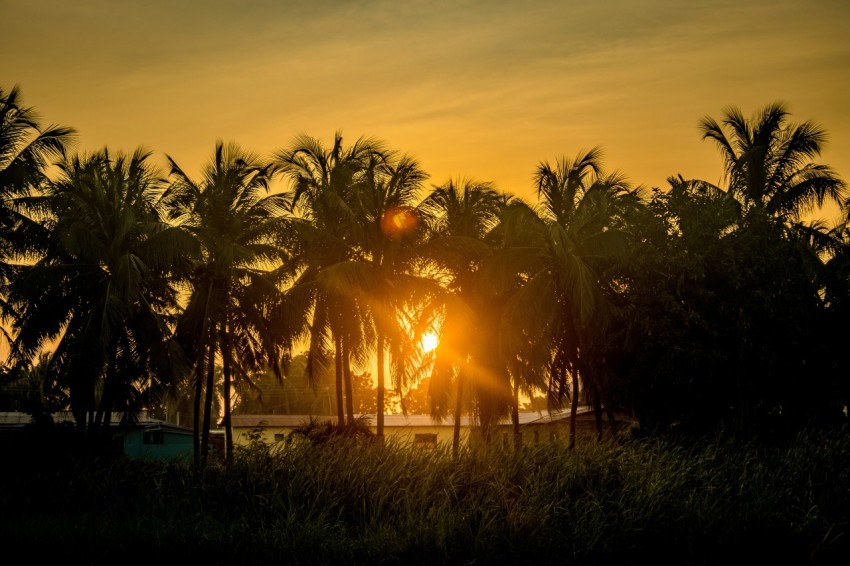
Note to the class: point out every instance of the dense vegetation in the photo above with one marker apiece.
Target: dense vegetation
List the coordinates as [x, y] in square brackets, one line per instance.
[716, 315]
[693, 306]
[648, 501]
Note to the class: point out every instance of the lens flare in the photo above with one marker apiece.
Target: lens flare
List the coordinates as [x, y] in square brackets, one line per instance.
[399, 221]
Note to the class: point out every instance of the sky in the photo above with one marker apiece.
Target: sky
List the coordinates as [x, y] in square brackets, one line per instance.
[481, 90]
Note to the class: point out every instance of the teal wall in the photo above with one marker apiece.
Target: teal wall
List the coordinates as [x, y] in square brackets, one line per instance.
[174, 445]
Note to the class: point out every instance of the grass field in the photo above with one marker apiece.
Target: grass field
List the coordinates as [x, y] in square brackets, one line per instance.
[657, 501]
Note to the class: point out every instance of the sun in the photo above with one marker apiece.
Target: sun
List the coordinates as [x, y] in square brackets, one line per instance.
[429, 342]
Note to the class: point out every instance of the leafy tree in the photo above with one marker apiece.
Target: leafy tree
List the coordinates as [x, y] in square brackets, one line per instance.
[101, 285]
[26, 150]
[768, 162]
[385, 256]
[326, 237]
[30, 388]
[557, 317]
[236, 225]
[722, 320]
[458, 216]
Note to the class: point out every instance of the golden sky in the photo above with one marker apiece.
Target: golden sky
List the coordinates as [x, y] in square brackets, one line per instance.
[479, 89]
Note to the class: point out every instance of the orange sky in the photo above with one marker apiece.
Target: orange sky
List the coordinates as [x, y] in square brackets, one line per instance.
[481, 89]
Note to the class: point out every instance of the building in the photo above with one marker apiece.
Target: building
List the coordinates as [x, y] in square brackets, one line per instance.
[536, 428]
[147, 438]
[422, 430]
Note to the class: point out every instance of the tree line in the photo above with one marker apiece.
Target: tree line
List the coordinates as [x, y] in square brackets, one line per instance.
[692, 306]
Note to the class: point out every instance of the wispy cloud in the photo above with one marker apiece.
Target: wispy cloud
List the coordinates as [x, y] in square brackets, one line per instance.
[481, 88]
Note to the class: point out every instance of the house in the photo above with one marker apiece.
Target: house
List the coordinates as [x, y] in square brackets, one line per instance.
[420, 430]
[156, 440]
[147, 438]
[536, 428]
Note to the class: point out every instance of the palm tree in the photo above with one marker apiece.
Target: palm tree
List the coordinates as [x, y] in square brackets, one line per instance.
[384, 201]
[236, 225]
[769, 169]
[101, 284]
[458, 217]
[25, 152]
[328, 233]
[768, 165]
[556, 318]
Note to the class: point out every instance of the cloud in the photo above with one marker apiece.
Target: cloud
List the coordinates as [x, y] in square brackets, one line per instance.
[479, 88]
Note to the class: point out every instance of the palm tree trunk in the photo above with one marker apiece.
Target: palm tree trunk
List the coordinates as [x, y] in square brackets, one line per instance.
[515, 417]
[573, 409]
[458, 412]
[340, 409]
[90, 410]
[104, 410]
[380, 355]
[226, 362]
[611, 420]
[208, 398]
[346, 372]
[597, 412]
[196, 417]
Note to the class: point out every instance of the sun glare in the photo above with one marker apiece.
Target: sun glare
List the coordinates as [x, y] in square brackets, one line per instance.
[429, 342]
[398, 221]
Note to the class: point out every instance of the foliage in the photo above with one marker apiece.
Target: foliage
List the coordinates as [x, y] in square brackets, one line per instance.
[693, 307]
[343, 502]
[26, 150]
[232, 310]
[100, 286]
[295, 395]
[32, 389]
[322, 431]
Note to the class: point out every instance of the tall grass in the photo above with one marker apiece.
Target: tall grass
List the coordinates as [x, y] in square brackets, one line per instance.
[348, 502]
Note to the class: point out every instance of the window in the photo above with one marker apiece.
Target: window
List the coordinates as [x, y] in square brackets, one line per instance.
[425, 440]
[279, 437]
[152, 437]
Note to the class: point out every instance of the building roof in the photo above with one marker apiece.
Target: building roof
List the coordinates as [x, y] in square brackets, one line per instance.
[14, 419]
[552, 417]
[17, 419]
[397, 421]
[281, 421]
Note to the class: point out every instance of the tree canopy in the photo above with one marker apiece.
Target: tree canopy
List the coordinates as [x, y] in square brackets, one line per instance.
[691, 306]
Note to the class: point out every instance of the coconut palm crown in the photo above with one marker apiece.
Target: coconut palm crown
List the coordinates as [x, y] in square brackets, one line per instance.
[768, 161]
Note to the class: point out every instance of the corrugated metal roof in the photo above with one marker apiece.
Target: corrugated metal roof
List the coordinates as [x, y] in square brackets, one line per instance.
[14, 419]
[282, 421]
[291, 421]
[397, 421]
[393, 421]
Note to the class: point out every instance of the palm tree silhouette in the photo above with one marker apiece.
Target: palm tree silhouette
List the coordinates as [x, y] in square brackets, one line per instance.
[236, 225]
[459, 215]
[101, 284]
[26, 150]
[327, 235]
[384, 202]
[767, 162]
[556, 318]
